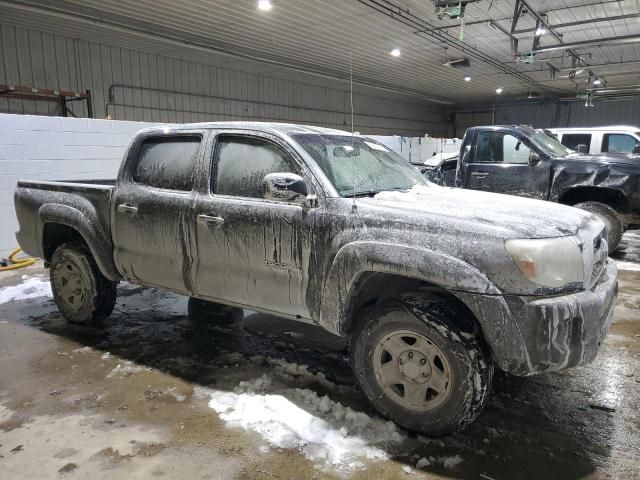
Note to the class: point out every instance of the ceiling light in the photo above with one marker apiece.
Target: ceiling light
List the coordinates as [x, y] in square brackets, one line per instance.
[467, 78]
[597, 81]
[395, 52]
[499, 90]
[578, 72]
[264, 5]
[541, 30]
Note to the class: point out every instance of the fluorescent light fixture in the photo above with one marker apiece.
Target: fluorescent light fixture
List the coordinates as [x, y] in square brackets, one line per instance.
[578, 72]
[467, 78]
[264, 5]
[395, 52]
[541, 30]
[597, 81]
[499, 90]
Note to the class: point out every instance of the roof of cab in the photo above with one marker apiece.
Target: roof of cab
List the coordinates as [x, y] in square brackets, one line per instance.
[269, 127]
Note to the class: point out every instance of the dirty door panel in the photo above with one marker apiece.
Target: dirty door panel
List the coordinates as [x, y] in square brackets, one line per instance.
[252, 251]
[501, 164]
[153, 213]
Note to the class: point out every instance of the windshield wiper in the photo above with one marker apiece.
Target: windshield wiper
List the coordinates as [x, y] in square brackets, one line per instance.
[371, 193]
[363, 193]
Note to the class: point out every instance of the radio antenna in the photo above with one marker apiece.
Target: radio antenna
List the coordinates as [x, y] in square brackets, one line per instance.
[353, 149]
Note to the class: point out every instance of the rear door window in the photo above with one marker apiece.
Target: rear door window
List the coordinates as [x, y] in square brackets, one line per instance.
[168, 162]
[572, 140]
[243, 162]
[618, 143]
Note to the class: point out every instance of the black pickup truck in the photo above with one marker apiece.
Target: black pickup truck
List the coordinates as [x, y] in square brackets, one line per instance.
[519, 160]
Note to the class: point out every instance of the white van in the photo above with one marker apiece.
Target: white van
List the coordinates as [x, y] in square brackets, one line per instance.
[615, 139]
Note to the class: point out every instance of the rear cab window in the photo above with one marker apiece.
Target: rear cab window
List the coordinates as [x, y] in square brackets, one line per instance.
[572, 140]
[168, 162]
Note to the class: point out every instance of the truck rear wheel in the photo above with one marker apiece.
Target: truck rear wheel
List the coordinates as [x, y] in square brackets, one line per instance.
[611, 219]
[419, 363]
[83, 295]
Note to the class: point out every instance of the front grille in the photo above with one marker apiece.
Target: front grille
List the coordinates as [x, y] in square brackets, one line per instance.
[600, 252]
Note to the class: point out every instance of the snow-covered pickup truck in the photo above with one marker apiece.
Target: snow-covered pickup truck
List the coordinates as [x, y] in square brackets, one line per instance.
[433, 286]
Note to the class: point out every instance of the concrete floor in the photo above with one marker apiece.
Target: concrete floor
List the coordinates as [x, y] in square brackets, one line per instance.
[129, 399]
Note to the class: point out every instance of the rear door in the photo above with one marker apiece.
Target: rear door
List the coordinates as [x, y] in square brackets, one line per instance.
[152, 216]
[250, 250]
[500, 162]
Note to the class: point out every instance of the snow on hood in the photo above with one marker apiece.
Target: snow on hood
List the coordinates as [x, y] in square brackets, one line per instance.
[526, 218]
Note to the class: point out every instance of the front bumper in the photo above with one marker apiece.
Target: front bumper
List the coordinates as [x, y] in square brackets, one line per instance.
[530, 335]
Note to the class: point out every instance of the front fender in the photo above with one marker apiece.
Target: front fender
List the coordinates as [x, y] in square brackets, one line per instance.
[356, 258]
[88, 226]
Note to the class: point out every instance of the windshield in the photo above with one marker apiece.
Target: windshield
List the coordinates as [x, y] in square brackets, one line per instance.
[549, 145]
[359, 166]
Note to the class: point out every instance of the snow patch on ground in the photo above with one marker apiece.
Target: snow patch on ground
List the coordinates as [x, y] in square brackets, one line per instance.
[126, 369]
[628, 266]
[325, 431]
[31, 287]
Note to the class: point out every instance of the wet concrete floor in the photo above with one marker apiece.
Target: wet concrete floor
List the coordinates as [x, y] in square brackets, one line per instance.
[129, 399]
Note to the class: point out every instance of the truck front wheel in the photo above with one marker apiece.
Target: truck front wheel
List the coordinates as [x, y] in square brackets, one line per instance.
[611, 219]
[419, 363]
[83, 295]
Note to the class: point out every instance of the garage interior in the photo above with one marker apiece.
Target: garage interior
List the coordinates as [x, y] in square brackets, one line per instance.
[131, 397]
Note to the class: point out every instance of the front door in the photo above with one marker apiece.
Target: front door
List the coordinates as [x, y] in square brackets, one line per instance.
[152, 218]
[251, 250]
[501, 163]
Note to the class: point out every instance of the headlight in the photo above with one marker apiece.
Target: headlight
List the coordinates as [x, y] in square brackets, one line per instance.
[549, 262]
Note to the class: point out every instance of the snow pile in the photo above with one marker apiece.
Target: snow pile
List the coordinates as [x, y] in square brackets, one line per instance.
[323, 430]
[31, 287]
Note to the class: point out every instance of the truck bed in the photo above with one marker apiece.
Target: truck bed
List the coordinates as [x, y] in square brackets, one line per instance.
[42, 203]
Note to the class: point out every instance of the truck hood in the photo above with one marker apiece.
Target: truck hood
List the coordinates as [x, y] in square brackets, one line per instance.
[516, 217]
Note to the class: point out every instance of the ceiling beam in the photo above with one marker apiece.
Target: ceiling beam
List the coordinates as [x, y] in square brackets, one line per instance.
[556, 26]
[621, 40]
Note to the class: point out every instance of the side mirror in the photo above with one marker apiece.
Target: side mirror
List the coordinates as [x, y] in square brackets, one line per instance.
[582, 148]
[534, 158]
[287, 187]
[636, 150]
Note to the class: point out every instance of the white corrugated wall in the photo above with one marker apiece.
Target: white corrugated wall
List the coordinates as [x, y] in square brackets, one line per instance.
[138, 86]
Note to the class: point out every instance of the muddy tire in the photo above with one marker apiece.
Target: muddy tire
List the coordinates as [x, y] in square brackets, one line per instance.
[420, 363]
[83, 295]
[203, 313]
[611, 219]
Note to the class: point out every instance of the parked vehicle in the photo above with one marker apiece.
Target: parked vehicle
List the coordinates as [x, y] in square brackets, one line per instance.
[614, 139]
[440, 169]
[519, 160]
[433, 286]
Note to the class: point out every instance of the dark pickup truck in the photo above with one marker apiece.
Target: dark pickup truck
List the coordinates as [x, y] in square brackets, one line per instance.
[519, 160]
[432, 286]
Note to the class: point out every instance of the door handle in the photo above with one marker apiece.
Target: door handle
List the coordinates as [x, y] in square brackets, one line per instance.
[210, 219]
[480, 174]
[127, 208]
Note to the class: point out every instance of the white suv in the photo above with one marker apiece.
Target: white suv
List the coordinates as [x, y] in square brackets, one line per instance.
[615, 139]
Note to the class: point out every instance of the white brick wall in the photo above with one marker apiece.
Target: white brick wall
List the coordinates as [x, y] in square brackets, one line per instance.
[55, 148]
